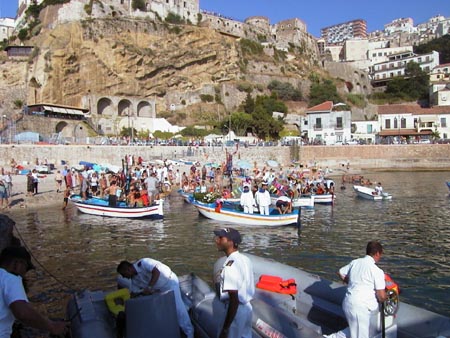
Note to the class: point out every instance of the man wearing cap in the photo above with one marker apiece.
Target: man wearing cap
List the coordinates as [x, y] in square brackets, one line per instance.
[237, 286]
[14, 264]
[147, 276]
[247, 201]
[262, 198]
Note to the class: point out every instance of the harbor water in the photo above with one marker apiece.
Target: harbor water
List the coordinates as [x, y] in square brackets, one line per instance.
[82, 251]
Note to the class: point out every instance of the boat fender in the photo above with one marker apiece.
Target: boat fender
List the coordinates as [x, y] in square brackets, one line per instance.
[116, 300]
[277, 284]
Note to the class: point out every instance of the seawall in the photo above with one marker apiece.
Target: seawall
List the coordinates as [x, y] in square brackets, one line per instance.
[383, 157]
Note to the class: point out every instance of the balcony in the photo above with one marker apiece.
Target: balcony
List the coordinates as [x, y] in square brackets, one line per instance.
[317, 127]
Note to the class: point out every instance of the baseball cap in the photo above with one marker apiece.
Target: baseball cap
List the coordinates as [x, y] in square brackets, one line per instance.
[230, 233]
[17, 252]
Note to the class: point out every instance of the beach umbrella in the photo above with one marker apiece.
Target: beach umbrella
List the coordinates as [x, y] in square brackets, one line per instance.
[243, 164]
[272, 163]
[212, 165]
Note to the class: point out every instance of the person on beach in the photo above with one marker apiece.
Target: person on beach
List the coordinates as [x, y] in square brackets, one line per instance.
[66, 197]
[3, 195]
[14, 264]
[35, 177]
[366, 288]
[30, 184]
[58, 179]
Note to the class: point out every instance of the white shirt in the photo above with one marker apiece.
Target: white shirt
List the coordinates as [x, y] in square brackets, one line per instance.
[263, 198]
[247, 199]
[237, 274]
[144, 268]
[11, 290]
[365, 277]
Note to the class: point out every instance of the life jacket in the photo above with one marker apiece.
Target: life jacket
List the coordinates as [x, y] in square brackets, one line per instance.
[390, 284]
[277, 284]
[115, 301]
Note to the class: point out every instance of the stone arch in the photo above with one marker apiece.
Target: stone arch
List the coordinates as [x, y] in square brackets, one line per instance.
[125, 108]
[105, 107]
[63, 128]
[144, 109]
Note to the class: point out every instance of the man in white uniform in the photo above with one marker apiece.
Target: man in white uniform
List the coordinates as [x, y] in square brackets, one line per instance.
[247, 201]
[366, 287]
[262, 198]
[14, 264]
[148, 276]
[237, 286]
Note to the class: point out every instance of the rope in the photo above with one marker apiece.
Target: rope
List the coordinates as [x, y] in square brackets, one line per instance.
[71, 289]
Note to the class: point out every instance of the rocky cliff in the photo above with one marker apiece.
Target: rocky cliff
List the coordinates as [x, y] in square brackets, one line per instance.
[176, 65]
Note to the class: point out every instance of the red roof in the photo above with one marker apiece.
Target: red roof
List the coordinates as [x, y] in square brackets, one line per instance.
[403, 132]
[413, 109]
[325, 106]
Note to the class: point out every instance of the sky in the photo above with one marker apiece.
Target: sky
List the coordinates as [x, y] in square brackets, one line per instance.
[316, 14]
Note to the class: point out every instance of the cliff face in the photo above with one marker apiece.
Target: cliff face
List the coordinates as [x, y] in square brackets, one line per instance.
[173, 64]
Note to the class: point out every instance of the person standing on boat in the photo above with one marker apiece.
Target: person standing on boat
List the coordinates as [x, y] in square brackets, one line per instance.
[112, 192]
[237, 286]
[247, 201]
[366, 288]
[14, 264]
[262, 198]
[148, 276]
[379, 189]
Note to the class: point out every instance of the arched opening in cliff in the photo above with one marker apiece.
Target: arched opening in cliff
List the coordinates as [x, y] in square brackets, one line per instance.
[105, 107]
[61, 127]
[125, 108]
[144, 109]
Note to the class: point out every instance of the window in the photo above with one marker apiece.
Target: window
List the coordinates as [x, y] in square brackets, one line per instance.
[318, 123]
[387, 124]
[395, 123]
[369, 129]
[403, 123]
[443, 122]
[339, 122]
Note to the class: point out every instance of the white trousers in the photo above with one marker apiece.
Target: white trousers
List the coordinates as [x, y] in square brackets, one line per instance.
[358, 317]
[183, 317]
[248, 209]
[264, 209]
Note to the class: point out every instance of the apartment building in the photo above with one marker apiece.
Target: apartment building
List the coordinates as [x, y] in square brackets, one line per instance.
[6, 28]
[348, 30]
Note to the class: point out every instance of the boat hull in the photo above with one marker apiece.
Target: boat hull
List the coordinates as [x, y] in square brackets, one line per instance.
[238, 217]
[99, 207]
[370, 194]
[300, 202]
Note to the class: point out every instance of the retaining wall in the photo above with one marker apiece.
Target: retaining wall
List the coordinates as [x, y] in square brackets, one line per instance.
[418, 156]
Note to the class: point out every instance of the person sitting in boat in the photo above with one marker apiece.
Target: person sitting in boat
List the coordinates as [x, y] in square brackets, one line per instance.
[284, 205]
[247, 201]
[379, 189]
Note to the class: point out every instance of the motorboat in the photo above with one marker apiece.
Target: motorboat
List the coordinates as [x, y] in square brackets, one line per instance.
[371, 194]
[231, 213]
[324, 198]
[311, 308]
[306, 201]
[99, 207]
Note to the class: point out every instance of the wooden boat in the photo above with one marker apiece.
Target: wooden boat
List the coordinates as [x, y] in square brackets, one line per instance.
[312, 310]
[324, 198]
[371, 194]
[231, 214]
[99, 207]
[306, 201]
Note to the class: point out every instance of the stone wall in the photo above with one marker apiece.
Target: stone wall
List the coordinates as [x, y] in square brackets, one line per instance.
[420, 156]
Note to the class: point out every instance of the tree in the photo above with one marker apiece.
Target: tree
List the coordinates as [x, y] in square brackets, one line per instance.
[412, 86]
[285, 91]
[249, 104]
[323, 91]
[138, 4]
[441, 45]
[264, 124]
[241, 122]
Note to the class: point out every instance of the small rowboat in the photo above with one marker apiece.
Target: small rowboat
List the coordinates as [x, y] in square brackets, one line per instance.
[371, 194]
[99, 207]
[229, 213]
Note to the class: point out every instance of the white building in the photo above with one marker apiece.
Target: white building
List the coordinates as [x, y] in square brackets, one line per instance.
[365, 130]
[399, 25]
[6, 28]
[396, 65]
[409, 121]
[329, 123]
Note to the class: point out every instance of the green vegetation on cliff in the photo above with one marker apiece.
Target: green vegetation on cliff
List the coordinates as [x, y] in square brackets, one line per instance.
[441, 45]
